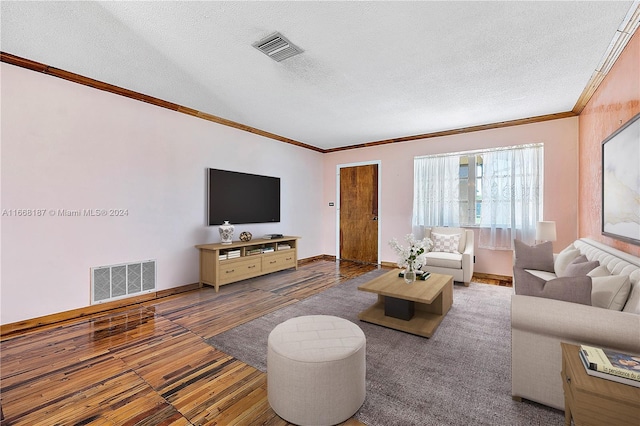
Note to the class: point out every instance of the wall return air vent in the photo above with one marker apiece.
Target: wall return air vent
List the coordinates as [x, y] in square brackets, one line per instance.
[115, 282]
[277, 47]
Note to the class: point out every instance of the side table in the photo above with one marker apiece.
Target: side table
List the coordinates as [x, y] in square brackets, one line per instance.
[594, 401]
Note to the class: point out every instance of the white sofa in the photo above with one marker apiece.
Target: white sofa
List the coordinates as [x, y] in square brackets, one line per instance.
[459, 262]
[539, 324]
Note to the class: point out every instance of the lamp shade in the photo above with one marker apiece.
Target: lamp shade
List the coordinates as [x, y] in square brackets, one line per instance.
[546, 231]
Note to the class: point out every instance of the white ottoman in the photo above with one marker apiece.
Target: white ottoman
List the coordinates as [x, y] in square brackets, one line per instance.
[316, 370]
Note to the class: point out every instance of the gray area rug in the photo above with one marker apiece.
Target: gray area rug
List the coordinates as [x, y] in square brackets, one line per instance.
[461, 376]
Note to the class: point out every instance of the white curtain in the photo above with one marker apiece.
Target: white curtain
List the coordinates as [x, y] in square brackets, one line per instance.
[436, 194]
[512, 185]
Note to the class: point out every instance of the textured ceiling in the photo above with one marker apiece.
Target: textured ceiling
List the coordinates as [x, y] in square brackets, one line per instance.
[370, 71]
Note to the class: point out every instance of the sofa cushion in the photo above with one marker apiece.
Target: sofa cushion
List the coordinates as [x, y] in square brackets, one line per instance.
[444, 260]
[610, 292]
[445, 243]
[568, 289]
[542, 274]
[581, 268]
[538, 257]
[563, 259]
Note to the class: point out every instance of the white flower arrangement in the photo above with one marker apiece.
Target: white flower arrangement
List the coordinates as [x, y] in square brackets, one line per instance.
[414, 255]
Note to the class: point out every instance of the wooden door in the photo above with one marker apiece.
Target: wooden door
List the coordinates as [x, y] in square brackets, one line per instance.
[359, 213]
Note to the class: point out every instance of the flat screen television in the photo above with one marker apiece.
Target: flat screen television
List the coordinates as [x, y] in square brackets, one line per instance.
[242, 198]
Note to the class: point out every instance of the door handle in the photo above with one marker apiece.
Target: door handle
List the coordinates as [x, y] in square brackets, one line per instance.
[375, 218]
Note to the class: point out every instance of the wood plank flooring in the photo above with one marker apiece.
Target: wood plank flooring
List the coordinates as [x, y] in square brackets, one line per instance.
[148, 364]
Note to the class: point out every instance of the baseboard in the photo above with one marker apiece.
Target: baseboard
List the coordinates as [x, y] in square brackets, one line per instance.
[311, 259]
[493, 277]
[6, 330]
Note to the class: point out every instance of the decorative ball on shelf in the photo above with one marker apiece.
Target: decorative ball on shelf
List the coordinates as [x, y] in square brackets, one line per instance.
[245, 236]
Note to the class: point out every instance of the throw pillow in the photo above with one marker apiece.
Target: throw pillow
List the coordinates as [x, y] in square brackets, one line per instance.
[538, 257]
[564, 258]
[445, 243]
[580, 259]
[580, 268]
[567, 289]
[610, 292]
[633, 301]
[600, 271]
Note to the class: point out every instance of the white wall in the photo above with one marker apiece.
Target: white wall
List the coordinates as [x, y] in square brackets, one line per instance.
[67, 146]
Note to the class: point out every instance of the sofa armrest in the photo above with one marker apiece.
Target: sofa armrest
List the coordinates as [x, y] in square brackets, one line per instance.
[575, 322]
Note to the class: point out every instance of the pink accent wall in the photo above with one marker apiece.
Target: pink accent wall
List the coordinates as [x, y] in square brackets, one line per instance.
[560, 138]
[613, 104]
[68, 146]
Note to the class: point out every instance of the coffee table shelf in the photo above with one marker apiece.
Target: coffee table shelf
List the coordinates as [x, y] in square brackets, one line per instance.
[432, 300]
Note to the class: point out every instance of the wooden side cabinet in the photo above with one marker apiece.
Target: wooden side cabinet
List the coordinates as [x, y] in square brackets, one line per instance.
[594, 401]
[222, 264]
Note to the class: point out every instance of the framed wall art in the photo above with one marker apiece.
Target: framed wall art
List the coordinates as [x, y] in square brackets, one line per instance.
[621, 183]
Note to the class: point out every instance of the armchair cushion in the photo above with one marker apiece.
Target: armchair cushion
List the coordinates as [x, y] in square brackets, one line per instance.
[446, 243]
[444, 260]
[443, 230]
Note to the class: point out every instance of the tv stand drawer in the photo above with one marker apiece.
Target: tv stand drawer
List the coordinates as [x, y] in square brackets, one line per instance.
[277, 262]
[234, 271]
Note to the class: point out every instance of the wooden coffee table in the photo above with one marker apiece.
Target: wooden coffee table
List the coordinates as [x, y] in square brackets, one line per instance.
[416, 308]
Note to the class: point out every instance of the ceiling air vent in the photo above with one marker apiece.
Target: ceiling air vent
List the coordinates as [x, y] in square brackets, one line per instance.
[277, 47]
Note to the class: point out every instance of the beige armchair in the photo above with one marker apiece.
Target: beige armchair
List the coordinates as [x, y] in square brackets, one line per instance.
[447, 257]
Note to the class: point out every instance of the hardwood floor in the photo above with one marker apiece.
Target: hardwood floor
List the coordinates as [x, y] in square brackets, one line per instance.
[148, 364]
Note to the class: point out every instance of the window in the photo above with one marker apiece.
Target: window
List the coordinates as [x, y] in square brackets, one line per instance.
[470, 189]
[498, 190]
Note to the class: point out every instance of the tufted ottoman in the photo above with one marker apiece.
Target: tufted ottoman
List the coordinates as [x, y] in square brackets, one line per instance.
[316, 369]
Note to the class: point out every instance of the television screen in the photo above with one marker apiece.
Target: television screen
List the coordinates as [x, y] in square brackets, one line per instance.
[242, 198]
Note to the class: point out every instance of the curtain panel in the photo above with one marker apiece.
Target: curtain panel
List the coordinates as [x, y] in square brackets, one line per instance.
[512, 199]
[436, 194]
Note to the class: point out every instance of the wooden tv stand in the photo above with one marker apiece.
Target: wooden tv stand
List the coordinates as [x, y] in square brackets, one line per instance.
[257, 257]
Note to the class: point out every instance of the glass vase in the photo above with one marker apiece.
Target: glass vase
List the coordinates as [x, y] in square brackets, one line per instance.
[409, 275]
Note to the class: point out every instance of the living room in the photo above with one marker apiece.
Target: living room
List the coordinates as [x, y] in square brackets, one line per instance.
[152, 161]
[67, 146]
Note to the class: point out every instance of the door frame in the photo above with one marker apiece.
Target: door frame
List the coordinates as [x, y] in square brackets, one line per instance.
[361, 163]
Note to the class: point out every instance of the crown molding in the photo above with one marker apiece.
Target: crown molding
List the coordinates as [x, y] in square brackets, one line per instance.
[96, 84]
[616, 47]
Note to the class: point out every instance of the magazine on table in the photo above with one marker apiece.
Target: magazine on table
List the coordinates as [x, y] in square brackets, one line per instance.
[612, 363]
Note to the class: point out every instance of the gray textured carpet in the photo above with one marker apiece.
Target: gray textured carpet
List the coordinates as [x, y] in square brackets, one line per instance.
[461, 376]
